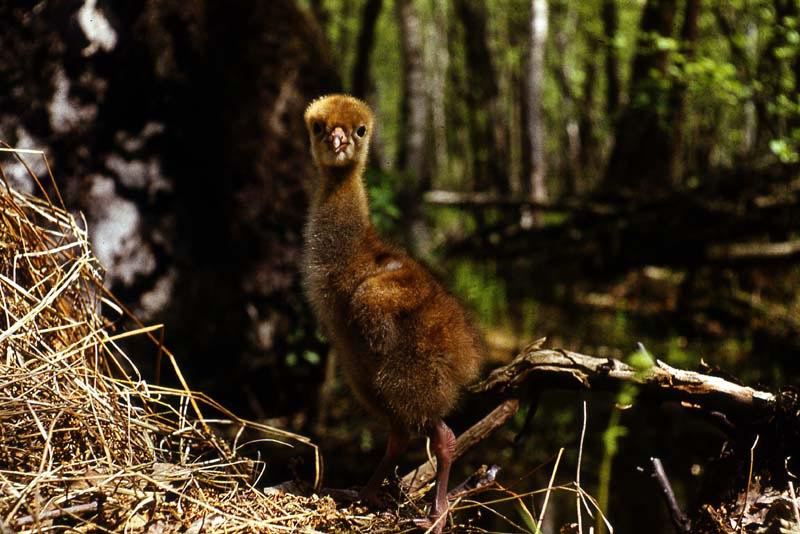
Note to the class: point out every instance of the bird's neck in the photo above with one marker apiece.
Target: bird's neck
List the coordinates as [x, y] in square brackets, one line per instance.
[340, 204]
[341, 193]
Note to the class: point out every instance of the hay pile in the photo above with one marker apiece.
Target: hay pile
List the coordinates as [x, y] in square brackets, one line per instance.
[85, 442]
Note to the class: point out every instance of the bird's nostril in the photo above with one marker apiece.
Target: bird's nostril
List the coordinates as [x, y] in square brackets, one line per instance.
[338, 140]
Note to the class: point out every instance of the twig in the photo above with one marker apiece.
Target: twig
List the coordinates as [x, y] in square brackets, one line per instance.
[52, 514]
[549, 489]
[477, 480]
[417, 478]
[749, 481]
[755, 250]
[578, 473]
[682, 524]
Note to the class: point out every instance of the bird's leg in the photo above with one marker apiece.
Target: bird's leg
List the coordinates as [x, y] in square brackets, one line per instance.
[396, 446]
[443, 443]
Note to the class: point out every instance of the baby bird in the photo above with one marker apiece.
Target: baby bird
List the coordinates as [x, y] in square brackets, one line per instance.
[405, 343]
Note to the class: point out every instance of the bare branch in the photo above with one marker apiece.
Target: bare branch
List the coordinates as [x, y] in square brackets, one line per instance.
[58, 512]
[549, 368]
[754, 250]
[423, 474]
[485, 199]
[682, 524]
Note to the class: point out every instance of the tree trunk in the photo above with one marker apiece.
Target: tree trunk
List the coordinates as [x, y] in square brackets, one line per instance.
[587, 127]
[320, 13]
[362, 81]
[613, 84]
[411, 154]
[536, 127]
[190, 167]
[414, 111]
[487, 132]
[566, 17]
[678, 95]
[438, 64]
[640, 157]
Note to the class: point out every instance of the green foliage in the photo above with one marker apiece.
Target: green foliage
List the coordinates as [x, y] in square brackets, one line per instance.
[779, 87]
[526, 516]
[677, 355]
[366, 440]
[483, 291]
[620, 328]
[342, 31]
[642, 361]
[311, 357]
[741, 107]
[383, 189]
[716, 81]
[732, 349]
[387, 76]
[734, 70]
[307, 357]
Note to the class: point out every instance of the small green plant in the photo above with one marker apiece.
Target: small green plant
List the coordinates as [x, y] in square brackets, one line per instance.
[641, 361]
[382, 187]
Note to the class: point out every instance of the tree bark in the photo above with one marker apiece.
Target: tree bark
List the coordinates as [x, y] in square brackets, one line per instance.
[414, 111]
[678, 94]
[487, 133]
[590, 153]
[557, 368]
[413, 142]
[320, 12]
[190, 167]
[362, 81]
[613, 84]
[640, 157]
[437, 35]
[566, 17]
[536, 73]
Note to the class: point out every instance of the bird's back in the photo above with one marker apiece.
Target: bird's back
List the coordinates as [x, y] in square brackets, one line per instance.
[406, 344]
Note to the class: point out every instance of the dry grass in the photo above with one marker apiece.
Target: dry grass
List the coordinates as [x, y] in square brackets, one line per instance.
[85, 443]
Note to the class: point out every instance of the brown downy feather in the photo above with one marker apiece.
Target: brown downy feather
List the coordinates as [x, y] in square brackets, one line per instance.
[406, 345]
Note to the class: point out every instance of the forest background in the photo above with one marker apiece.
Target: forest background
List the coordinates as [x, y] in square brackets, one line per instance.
[604, 172]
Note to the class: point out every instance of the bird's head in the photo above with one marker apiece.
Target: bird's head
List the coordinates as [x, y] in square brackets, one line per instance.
[339, 127]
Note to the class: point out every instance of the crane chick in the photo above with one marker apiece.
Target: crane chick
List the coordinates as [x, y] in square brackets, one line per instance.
[405, 344]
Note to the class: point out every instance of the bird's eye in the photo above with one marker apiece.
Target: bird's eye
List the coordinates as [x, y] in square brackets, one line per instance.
[316, 128]
[362, 131]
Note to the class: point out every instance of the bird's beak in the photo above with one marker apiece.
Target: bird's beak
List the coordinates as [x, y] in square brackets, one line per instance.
[338, 139]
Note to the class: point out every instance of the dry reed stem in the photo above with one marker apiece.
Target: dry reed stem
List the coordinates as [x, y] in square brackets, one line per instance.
[549, 489]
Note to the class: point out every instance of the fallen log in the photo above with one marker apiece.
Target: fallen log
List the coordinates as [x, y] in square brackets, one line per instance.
[558, 368]
[562, 369]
